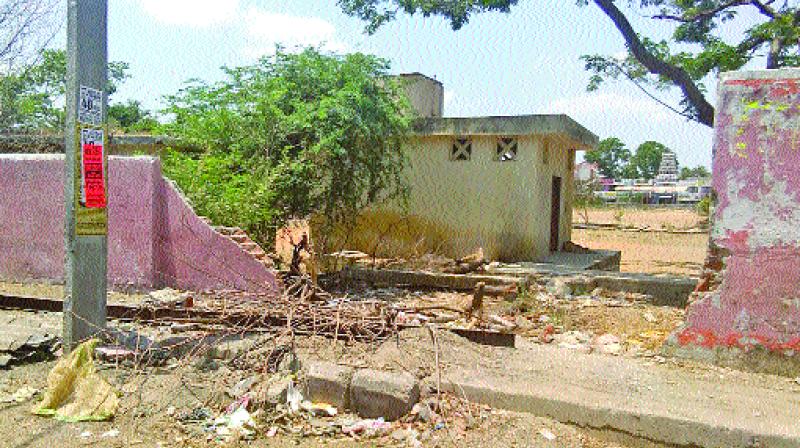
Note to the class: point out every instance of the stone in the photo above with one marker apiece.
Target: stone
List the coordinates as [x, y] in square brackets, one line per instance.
[243, 386]
[608, 344]
[391, 395]
[277, 390]
[559, 287]
[424, 412]
[574, 340]
[328, 383]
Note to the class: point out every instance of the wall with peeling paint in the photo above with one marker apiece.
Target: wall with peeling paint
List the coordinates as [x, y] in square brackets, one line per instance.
[154, 239]
[756, 224]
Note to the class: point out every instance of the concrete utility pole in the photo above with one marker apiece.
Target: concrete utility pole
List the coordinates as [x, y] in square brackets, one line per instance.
[86, 223]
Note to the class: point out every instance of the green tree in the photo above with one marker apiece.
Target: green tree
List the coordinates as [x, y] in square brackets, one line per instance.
[647, 159]
[695, 49]
[130, 117]
[699, 172]
[611, 157]
[33, 97]
[317, 133]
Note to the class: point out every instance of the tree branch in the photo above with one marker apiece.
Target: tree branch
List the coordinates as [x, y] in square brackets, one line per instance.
[705, 111]
[764, 8]
[705, 14]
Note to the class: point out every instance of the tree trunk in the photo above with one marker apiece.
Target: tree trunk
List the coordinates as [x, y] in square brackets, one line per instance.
[705, 111]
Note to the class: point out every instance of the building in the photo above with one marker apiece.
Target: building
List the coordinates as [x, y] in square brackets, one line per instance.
[667, 169]
[587, 171]
[502, 184]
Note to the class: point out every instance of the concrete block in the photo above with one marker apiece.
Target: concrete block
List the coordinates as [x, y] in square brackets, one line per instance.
[375, 393]
[329, 383]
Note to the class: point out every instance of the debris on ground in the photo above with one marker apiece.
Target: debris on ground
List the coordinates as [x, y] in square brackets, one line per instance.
[30, 348]
[21, 395]
[75, 391]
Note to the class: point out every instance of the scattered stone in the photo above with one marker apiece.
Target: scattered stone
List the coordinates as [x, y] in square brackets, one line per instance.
[110, 434]
[277, 390]
[574, 340]
[547, 334]
[329, 383]
[608, 344]
[390, 395]
[113, 354]
[559, 287]
[22, 395]
[523, 324]
[243, 386]
[424, 412]
[547, 434]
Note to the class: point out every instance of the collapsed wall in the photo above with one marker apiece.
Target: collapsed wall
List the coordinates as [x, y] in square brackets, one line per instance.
[154, 239]
[746, 310]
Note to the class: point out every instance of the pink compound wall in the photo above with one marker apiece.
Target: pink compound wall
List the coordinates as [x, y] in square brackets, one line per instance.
[756, 223]
[155, 238]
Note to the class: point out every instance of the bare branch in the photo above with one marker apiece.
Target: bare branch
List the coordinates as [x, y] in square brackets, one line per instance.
[26, 27]
[703, 15]
[705, 111]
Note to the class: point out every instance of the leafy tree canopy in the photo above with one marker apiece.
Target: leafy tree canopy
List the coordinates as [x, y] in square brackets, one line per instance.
[131, 117]
[291, 136]
[694, 50]
[647, 159]
[32, 98]
[698, 172]
[611, 157]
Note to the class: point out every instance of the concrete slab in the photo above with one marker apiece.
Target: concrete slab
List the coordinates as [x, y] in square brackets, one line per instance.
[601, 260]
[660, 403]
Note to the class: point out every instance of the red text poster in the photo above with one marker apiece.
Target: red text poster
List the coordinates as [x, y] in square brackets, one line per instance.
[93, 184]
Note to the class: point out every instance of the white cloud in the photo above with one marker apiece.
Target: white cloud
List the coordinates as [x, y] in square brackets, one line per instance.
[611, 105]
[266, 29]
[198, 13]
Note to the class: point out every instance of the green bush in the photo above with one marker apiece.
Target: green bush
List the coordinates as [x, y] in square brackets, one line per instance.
[704, 206]
[291, 136]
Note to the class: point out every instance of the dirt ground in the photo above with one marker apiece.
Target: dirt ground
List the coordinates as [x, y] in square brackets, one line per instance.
[56, 291]
[154, 400]
[650, 217]
[652, 252]
[649, 252]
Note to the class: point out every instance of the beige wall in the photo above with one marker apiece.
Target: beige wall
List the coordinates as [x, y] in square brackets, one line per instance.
[503, 207]
[426, 95]
[456, 207]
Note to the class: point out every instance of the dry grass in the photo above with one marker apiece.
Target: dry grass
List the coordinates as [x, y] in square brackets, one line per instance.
[654, 253]
[653, 217]
[650, 252]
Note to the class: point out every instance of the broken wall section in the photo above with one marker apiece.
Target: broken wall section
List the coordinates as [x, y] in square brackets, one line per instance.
[746, 311]
[155, 239]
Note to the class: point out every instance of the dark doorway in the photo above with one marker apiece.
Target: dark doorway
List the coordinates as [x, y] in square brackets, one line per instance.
[555, 213]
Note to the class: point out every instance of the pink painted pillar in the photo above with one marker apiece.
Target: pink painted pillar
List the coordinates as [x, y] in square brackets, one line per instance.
[755, 305]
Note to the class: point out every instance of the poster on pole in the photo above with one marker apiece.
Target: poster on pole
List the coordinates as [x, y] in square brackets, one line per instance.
[91, 196]
[90, 106]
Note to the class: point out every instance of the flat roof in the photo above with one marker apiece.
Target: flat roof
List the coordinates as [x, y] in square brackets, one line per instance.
[419, 75]
[552, 124]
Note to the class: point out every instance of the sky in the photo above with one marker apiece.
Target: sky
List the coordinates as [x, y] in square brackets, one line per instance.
[525, 62]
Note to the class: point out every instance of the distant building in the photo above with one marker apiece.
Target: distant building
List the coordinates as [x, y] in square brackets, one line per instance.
[586, 171]
[668, 169]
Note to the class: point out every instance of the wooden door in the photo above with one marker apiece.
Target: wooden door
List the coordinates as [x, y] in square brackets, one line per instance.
[555, 213]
